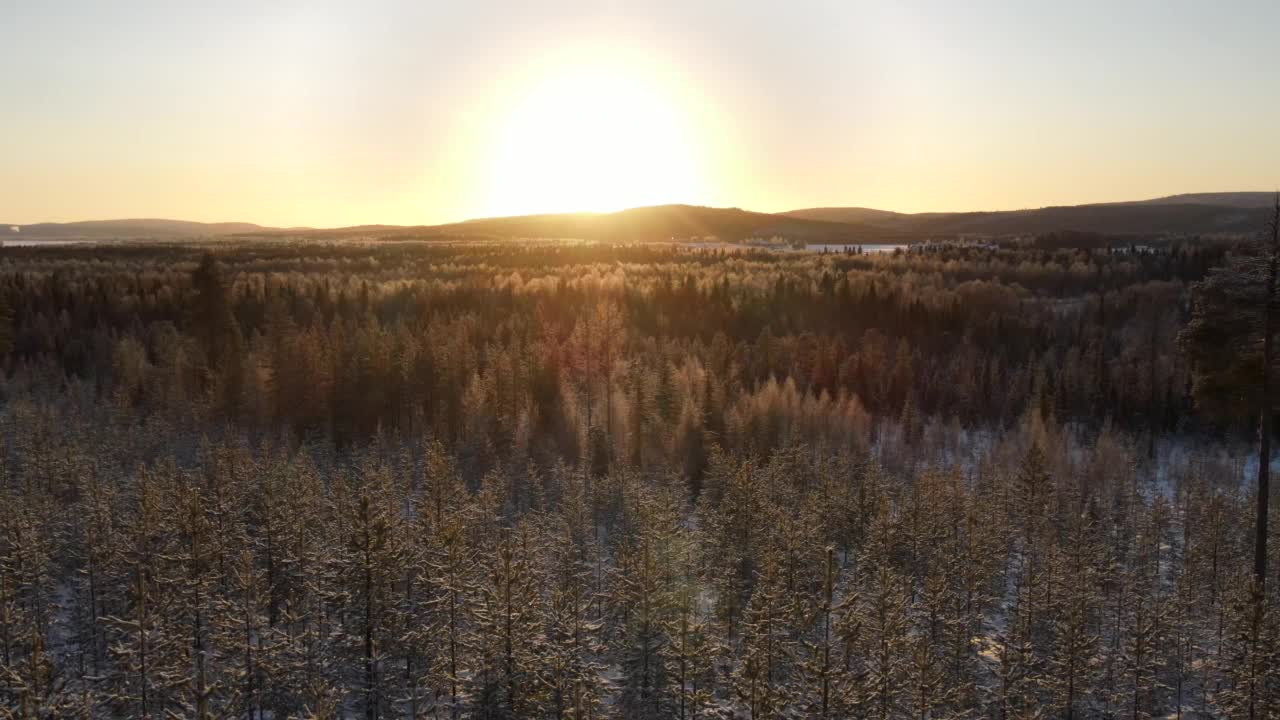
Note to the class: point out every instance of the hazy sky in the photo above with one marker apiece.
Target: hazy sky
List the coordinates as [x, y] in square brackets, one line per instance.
[330, 114]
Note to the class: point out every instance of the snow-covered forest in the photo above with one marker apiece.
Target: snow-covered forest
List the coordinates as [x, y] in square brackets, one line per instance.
[551, 480]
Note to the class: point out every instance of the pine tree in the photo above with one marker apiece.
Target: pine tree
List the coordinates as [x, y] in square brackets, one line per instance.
[763, 678]
[885, 624]
[690, 659]
[451, 565]
[35, 685]
[930, 690]
[6, 326]
[242, 634]
[1075, 615]
[820, 666]
[412, 640]
[1230, 343]
[571, 645]
[148, 649]
[215, 326]
[95, 540]
[507, 628]
[1247, 659]
[192, 555]
[641, 596]
[368, 566]
[1014, 657]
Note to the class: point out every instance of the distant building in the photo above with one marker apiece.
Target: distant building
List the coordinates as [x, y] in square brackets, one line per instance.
[1133, 250]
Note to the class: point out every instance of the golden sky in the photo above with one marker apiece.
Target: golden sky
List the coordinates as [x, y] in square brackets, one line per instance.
[330, 114]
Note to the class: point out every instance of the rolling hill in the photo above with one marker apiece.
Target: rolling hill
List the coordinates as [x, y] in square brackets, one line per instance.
[667, 222]
[1197, 213]
[1229, 199]
[125, 229]
[1201, 213]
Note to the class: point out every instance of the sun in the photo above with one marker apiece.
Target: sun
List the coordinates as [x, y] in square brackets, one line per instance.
[597, 134]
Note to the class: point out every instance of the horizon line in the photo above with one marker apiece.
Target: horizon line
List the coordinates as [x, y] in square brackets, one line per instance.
[479, 218]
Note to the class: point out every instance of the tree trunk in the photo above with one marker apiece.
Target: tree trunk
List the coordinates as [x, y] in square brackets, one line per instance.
[371, 699]
[1153, 421]
[197, 646]
[1264, 431]
[510, 663]
[143, 678]
[828, 593]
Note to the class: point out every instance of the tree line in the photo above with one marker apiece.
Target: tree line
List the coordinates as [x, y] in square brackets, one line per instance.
[491, 481]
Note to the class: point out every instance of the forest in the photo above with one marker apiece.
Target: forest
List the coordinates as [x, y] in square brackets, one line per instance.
[482, 479]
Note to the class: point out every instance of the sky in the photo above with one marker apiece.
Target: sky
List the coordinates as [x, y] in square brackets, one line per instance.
[330, 114]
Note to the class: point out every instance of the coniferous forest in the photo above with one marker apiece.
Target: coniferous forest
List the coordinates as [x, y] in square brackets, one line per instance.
[276, 478]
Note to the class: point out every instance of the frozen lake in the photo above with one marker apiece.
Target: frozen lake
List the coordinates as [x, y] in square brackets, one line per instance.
[37, 242]
[812, 247]
[866, 248]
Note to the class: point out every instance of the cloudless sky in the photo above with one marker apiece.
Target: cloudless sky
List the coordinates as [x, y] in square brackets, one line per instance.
[327, 114]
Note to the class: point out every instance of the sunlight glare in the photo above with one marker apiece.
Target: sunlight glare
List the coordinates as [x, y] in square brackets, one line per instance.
[594, 136]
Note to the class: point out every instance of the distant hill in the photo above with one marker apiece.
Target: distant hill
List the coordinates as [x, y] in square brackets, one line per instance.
[665, 222]
[1203, 213]
[1227, 199]
[1194, 213]
[128, 229]
[849, 214]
